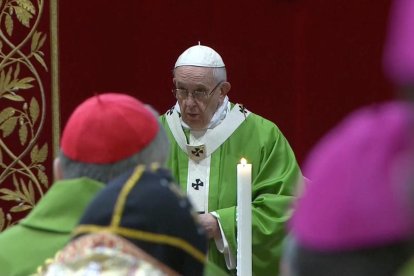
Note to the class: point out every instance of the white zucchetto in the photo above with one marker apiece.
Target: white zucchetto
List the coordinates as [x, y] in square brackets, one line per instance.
[201, 56]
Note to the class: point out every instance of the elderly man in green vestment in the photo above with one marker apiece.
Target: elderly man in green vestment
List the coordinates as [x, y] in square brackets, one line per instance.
[106, 135]
[209, 135]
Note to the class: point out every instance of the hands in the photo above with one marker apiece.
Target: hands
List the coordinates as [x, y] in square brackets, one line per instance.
[210, 225]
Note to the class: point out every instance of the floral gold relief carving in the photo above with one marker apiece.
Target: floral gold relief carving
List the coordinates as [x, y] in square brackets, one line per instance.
[23, 154]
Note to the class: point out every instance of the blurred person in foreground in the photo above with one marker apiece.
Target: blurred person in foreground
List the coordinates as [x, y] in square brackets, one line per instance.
[399, 67]
[140, 224]
[105, 136]
[353, 218]
[209, 135]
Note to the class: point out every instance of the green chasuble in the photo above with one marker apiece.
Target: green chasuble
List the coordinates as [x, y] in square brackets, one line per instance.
[407, 269]
[275, 174]
[47, 228]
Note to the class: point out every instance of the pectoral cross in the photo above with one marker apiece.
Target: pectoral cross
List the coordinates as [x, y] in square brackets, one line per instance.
[197, 184]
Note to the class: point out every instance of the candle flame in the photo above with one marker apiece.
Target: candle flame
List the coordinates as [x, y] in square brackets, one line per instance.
[243, 161]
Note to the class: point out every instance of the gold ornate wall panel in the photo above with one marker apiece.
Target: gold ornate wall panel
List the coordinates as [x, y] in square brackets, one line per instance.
[28, 107]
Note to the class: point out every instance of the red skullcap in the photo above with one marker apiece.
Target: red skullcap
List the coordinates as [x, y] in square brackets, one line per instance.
[108, 128]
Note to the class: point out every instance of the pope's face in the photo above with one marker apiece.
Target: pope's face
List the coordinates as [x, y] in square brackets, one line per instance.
[197, 112]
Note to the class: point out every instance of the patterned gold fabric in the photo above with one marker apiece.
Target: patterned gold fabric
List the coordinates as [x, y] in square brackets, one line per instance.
[26, 91]
[103, 254]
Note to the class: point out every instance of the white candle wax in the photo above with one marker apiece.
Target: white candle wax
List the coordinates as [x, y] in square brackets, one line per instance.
[244, 218]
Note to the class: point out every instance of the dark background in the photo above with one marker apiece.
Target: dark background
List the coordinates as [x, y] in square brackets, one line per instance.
[303, 64]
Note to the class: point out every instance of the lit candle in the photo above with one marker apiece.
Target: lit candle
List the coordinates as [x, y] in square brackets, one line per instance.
[244, 218]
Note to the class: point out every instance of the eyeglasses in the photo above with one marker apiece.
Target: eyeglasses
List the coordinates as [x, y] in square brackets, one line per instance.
[198, 95]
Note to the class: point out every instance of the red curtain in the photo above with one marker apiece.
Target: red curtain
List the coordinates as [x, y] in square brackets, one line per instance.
[303, 64]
